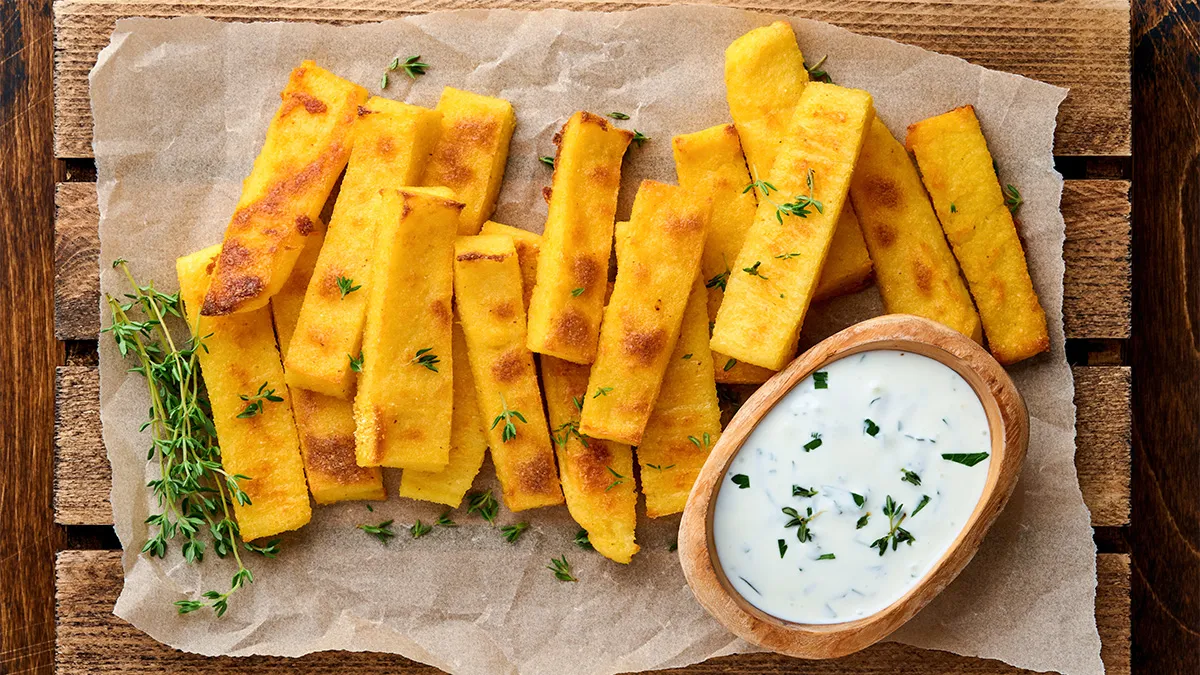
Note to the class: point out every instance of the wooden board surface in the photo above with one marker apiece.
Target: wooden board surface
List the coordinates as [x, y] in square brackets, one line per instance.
[1080, 44]
[82, 477]
[91, 641]
[1096, 285]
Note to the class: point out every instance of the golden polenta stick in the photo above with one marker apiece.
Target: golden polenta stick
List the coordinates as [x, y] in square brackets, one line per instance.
[392, 141]
[568, 300]
[307, 145]
[764, 77]
[597, 475]
[686, 421]
[710, 162]
[405, 393]
[487, 285]
[239, 359]
[467, 441]
[325, 424]
[529, 245]
[914, 268]
[773, 280]
[471, 152]
[658, 258]
[959, 173]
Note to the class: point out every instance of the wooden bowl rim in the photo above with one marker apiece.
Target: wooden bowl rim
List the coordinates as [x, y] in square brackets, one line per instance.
[1008, 422]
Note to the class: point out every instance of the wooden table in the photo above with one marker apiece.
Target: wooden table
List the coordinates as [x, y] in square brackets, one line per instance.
[59, 563]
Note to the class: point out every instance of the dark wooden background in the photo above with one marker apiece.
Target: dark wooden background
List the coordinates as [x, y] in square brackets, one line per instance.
[1164, 537]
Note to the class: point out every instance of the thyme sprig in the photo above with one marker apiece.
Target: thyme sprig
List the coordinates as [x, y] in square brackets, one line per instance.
[194, 493]
[506, 415]
[425, 359]
[255, 402]
[801, 522]
[561, 569]
[799, 206]
[896, 535]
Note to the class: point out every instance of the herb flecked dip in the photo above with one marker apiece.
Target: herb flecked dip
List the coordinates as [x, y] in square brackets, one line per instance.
[852, 487]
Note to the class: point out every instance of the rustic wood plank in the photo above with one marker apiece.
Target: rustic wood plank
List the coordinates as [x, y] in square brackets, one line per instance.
[80, 463]
[91, 641]
[76, 275]
[1165, 346]
[1080, 44]
[82, 476]
[1096, 300]
[1099, 269]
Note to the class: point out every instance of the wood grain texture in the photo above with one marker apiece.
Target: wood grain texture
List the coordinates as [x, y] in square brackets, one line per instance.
[1096, 284]
[91, 641]
[1165, 349]
[82, 476]
[28, 353]
[76, 275]
[77, 426]
[1080, 44]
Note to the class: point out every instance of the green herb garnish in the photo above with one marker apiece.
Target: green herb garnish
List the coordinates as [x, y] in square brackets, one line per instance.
[896, 535]
[346, 285]
[412, 66]
[704, 442]
[483, 503]
[619, 479]
[741, 480]
[787, 256]
[966, 458]
[576, 292]
[817, 73]
[356, 365]
[801, 522]
[826, 556]
[910, 477]
[511, 533]
[753, 270]
[419, 529]
[639, 139]
[719, 281]
[820, 380]
[383, 531]
[561, 569]
[602, 391]
[730, 364]
[1012, 198]
[782, 547]
[618, 115]
[798, 491]
[255, 403]
[870, 428]
[659, 468]
[509, 431]
[424, 358]
[814, 443]
[444, 520]
[547, 160]
[582, 540]
[565, 431]
[859, 500]
[862, 522]
[921, 504]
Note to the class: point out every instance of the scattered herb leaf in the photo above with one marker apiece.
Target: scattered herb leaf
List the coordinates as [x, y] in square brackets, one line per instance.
[966, 458]
[561, 569]
[255, 403]
[425, 359]
[511, 533]
[870, 428]
[741, 480]
[346, 285]
[509, 431]
[383, 531]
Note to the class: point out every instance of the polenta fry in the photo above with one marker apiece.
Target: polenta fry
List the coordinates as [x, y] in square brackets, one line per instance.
[959, 173]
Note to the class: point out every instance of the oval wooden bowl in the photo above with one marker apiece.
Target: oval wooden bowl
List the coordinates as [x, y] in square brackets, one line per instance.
[1008, 421]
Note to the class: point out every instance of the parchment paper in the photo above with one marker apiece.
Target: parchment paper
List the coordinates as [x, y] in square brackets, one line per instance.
[180, 110]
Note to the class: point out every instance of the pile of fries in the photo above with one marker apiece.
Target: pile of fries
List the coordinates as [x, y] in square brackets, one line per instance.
[404, 329]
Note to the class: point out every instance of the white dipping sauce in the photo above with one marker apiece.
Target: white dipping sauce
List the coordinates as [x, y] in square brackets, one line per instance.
[818, 438]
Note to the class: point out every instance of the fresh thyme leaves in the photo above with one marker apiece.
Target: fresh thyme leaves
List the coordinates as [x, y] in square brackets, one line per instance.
[618, 115]
[619, 479]
[859, 500]
[561, 569]
[814, 443]
[801, 522]
[953, 208]
[704, 442]
[687, 356]
[346, 285]
[921, 504]
[444, 520]
[966, 458]
[578, 401]
[576, 292]
[383, 81]
[730, 364]
[862, 522]
[660, 468]
[870, 428]
[509, 431]
[896, 535]
[761, 185]
[753, 270]
[420, 529]
[194, 493]
[511, 533]
[1012, 198]
[719, 281]
[563, 433]
[639, 138]
[800, 205]
[798, 491]
[817, 73]
[483, 503]
[547, 160]
[820, 380]
[910, 477]
[370, 508]
[255, 403]
[782, 547]
[356, 364]
[602, 391]
[270, 550]
[383, 531]
[787, 256]
[741, 480]
[582, 541]
[826, 556]
[412, 66]
[424, 358]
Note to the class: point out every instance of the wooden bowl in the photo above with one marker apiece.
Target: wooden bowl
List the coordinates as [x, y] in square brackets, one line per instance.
[1008, 421]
